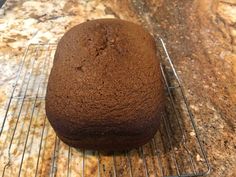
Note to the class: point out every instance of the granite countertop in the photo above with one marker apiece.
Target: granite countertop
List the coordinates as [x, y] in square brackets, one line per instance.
[200, 35]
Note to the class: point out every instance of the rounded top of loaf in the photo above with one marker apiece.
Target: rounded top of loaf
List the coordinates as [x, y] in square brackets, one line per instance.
[105, 73]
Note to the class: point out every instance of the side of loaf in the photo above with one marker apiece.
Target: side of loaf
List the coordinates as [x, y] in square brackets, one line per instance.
[105, 90]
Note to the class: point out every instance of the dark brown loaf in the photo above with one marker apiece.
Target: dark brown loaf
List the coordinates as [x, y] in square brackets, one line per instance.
[105, 90]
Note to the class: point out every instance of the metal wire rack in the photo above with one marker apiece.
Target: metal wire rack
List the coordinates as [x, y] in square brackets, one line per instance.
[29, 146]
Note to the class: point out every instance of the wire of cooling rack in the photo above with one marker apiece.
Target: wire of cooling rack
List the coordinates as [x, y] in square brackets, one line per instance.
[190, 115]
[31, 147]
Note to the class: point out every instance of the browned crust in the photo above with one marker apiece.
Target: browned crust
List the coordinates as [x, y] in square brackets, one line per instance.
[105, 89]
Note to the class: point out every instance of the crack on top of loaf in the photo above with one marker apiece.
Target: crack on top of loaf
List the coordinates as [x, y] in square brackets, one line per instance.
[110, 39]
[105, 42]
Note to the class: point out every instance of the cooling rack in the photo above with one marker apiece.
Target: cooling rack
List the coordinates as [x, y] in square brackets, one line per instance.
[29, 146]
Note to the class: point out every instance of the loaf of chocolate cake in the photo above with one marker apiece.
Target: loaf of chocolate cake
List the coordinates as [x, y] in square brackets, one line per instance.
[105, 90]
